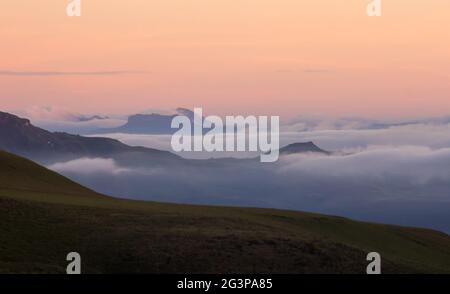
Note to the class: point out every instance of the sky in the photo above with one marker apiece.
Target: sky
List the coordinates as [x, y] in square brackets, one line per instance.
[277, 57]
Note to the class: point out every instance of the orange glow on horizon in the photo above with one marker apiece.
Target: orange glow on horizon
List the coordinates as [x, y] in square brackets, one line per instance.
[249, 56]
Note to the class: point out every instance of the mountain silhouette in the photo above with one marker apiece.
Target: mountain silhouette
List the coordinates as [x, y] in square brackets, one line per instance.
[19, 136]
[302, 148]
[150, 124]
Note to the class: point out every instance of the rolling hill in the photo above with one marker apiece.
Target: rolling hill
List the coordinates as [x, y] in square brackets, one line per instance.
[44, 216]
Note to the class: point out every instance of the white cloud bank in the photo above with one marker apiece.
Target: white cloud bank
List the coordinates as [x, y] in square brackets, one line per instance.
[417, 165]
[89, 166]
[425, 135]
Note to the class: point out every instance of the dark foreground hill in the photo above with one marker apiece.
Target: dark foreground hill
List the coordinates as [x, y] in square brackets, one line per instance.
[44, 216]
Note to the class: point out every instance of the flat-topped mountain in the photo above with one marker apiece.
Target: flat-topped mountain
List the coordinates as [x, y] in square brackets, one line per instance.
[152, 124]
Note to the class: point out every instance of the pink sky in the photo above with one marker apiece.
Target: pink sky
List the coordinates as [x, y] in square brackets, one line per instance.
[249, 56]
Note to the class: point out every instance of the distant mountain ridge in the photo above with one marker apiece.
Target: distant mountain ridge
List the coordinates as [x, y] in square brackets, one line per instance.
[19, 136]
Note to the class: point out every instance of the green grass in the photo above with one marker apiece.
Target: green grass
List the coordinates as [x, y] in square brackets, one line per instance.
[44, 216]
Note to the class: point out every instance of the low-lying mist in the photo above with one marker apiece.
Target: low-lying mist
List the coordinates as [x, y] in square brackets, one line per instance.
[407, 185]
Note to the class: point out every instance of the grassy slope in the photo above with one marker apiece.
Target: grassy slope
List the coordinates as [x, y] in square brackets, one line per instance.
[43, 216]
